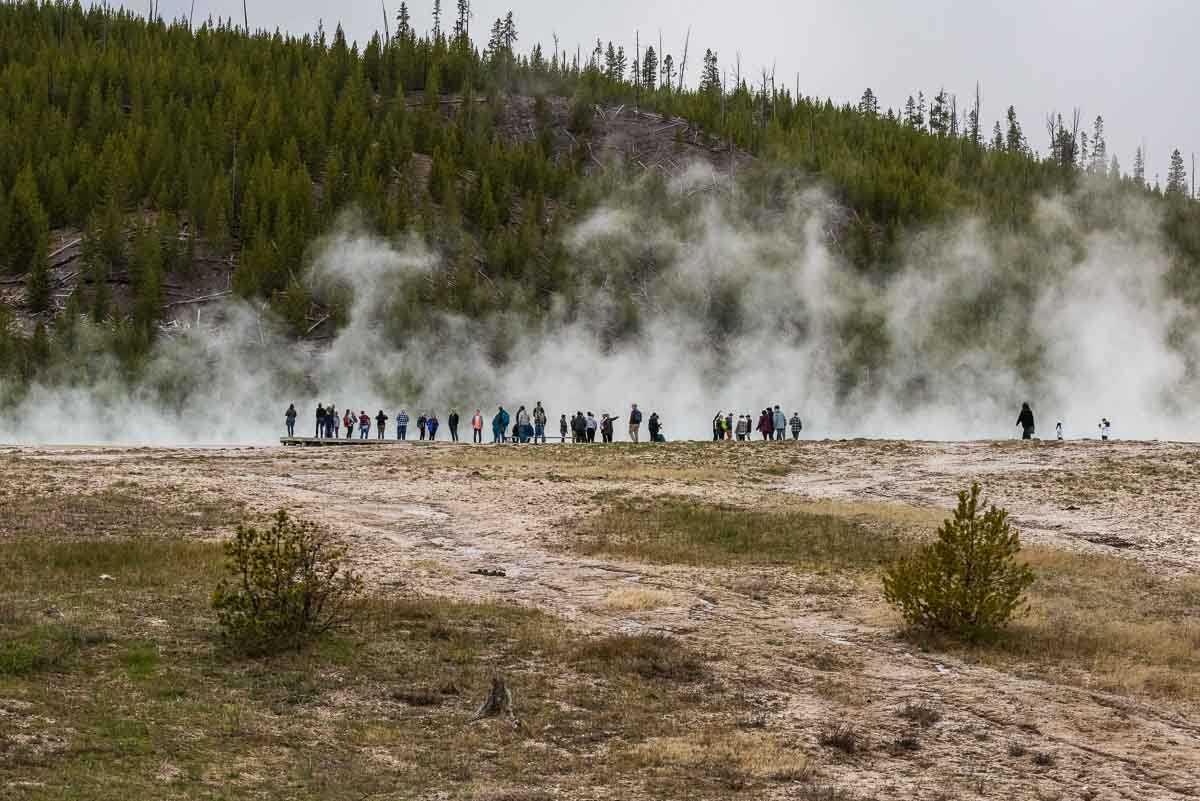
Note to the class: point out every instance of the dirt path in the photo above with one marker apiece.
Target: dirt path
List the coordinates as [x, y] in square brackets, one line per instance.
[422, 521]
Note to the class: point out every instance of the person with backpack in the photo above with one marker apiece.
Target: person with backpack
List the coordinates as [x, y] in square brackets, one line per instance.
[635, 422]
[797, 425]
[539, 423]
[380, 424]
[655, 426]
[431, 425]
[402, 425]
[289, 418]
[1025, 421]
[523, 428]
[364, 424]
[562, 427]
[477, 428]
[452, 424]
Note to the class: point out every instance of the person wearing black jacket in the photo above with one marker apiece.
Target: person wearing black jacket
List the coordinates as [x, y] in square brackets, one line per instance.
[579, 427]
[452, 423]
[1025, 421]
[380, 424]
[655, 426]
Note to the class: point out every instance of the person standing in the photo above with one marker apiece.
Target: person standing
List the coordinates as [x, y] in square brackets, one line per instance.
[289, 418]
[477, 427]
[364, 424]
[421, 421]
[797, 425]
[592, 425]
[523, 426]
[579, 427]
[780, 421]
[320, 420]
[1105, 428]
[452, 424]
[655, 426]
[1025, 421]
[539, 423]
[562, 427]
[1058, 430]
[635, 422]
[606, 428]
[431, 425]
[380, 424]
[765, 427]
[402, 425]
[717, 423]
[500, 425]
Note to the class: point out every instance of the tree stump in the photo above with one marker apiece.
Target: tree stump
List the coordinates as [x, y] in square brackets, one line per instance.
[499, 703]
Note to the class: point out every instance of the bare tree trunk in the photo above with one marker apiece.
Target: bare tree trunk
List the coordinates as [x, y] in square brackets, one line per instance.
[683, 66]
[387, 36]
[246, 16]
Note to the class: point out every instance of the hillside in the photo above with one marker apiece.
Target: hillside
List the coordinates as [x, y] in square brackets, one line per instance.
[157, 179]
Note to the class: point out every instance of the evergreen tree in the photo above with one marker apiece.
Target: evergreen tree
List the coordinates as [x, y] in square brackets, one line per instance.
[868, 104]
[1139, 167]
[462, 23]
[1114, 169]
[437, 19]
[1099, 155]
[997, 137]
[403, 23]
[1177, 179]
[649, 69]
[1014, 138]
[28, 224]
[939, 114]
[710, 75]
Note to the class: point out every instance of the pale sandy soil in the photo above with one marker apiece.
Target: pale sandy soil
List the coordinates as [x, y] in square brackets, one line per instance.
[421, 518]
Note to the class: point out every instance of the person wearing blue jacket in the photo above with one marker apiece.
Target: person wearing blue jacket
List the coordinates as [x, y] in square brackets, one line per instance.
[499, 425]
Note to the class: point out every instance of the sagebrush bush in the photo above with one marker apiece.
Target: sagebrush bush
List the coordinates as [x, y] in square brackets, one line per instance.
[967, 583]
[287, 585]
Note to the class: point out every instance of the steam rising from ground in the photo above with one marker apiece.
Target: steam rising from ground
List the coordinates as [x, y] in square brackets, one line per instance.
[736, 309]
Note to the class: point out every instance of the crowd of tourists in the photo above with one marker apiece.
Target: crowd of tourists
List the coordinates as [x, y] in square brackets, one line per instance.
[525, 425]
[532, 425]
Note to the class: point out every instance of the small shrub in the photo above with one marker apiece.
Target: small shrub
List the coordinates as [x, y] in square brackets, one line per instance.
[905, 744]
[921, 714]
[651, 656]
[968, 582]
[288, 586]
[42, 649]
[1016, 750]
[841, 736]
[1043, 759]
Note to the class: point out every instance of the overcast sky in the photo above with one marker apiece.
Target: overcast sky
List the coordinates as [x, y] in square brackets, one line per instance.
[1133, 63]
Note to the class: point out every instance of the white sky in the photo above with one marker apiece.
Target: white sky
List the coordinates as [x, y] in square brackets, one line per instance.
[1133, 63]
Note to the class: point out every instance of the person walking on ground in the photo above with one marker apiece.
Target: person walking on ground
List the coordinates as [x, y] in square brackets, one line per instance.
[797, 425]
[380, 424]
[348, 423]
[320, 420]
[523, 427]
[562, 427]
[477, 428]
[765, 426]
[654, 426]
[402, 425]
[1025, 421]
[635, 422]
[539, 423]
[592, 425]
[289, 418]
[452, 424]
[431, 425]
[364, 424]
[780, 420]
[421, 421]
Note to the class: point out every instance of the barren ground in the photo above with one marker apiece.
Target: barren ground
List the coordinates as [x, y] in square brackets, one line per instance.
[791, 652]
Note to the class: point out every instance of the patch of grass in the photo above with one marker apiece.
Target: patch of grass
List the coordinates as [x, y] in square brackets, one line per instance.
[735, 760]
[125, 509]
[39, 649]
[636, 599]
[841, 736]
[920, 713]
[651, 656]
[677, 530]
[140, 659]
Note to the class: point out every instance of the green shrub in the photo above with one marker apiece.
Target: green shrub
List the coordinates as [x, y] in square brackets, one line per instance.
[288, 585]
[968, 582]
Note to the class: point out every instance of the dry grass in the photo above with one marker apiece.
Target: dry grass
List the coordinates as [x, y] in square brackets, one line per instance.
[735, 759]
[637, 599]
[677, 530]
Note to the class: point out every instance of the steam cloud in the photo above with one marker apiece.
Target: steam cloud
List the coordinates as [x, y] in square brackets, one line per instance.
[738, 308]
